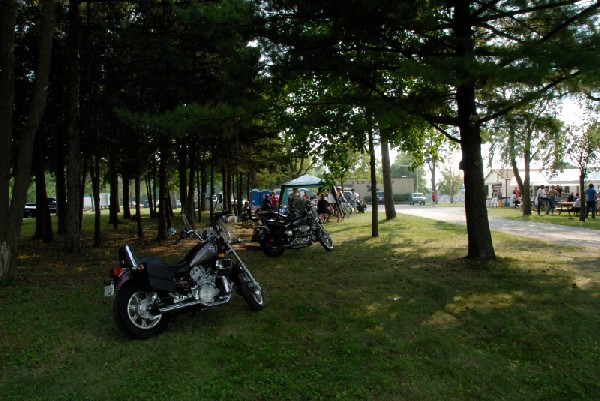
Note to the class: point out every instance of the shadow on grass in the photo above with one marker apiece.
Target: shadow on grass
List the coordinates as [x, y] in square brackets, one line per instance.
[400, 316]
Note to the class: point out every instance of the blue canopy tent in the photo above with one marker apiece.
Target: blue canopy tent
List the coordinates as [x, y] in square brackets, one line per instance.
[305, 181]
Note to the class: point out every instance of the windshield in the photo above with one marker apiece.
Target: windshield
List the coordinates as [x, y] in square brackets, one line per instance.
[417, 195]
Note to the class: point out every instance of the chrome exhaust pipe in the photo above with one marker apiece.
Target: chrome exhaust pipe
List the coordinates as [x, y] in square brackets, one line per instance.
[183, 305]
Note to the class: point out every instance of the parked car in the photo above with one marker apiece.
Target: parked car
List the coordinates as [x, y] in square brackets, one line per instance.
[30, 208]
[416, 197]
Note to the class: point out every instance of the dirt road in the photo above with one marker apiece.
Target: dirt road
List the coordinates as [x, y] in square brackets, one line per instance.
[552, 233]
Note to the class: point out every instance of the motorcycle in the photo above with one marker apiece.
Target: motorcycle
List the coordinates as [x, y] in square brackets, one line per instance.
[150, 290]
[361, 206]
[299, 228]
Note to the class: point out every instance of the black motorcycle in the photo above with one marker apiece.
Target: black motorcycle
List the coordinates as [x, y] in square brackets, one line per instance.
[149, 290]
[299, 228]
[361, 206]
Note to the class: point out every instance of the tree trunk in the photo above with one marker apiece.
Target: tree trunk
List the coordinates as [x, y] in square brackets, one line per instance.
[61, 186]
[478, 230]
[188, 206]
[11, 221]
[72, 237]
[388, 192]
[203, 185]
[182, 166]
[114, 193]
[372, 163]
[95, 174]
[126, 194]
[163, 189]
[583, 201]
[43, 222]
[138, 206]
[9, 232]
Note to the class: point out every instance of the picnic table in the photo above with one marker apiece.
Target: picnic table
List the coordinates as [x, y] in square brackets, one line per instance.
[565, 207]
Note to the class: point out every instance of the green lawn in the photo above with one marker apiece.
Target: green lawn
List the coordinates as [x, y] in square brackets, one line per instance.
[399, 317]
[563, 219]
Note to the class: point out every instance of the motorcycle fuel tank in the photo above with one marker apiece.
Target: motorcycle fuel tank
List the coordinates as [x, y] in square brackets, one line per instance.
[206, 252]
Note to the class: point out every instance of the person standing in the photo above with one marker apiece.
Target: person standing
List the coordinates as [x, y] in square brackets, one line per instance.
[294, 196]
[266, 203]
[338, 205]
[274, 200]
[541, 195]
[433, 198]
[551, 197]
[324, 209]
[591, 197]
[353, 198]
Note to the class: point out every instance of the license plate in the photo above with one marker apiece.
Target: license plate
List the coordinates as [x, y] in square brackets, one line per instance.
[109, 289]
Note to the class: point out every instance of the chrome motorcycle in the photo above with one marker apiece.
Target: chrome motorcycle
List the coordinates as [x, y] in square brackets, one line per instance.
[299, 228]
[150, 290]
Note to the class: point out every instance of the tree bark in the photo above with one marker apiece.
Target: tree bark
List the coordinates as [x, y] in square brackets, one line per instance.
[95, 174]
[188, 207]
[61, 186]
[478, 230]
[43, 222]
[126, 176]
[163, 189]
[372, 162]
[72, 236]
[114, 192]
[138, 206]
[11, 217]
[9, 233]
[388, 192]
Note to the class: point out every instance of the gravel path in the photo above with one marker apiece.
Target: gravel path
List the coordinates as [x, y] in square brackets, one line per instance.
[553, 233]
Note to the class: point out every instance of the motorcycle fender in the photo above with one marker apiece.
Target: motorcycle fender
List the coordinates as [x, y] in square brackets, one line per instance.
[123, 278]
[260, 233]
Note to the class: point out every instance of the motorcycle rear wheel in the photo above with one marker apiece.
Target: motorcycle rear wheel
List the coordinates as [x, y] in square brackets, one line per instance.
[132, 312]
[253, 296]
[272, 251]
[325, 239]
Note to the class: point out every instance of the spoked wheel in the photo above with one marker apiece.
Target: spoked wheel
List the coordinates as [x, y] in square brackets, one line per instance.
[325, 239]
[249, 289]
[132, 312]
[272, 250]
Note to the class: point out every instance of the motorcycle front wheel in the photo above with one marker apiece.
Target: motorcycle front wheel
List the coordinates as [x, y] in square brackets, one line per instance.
[325, 239]
[132, 312]
[249, 290]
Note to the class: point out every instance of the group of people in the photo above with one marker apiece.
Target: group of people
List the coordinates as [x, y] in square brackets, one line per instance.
[552, 196]
[269, 202]
[328, 204]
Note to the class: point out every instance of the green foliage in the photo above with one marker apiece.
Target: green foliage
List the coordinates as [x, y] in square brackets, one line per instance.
[450, 182]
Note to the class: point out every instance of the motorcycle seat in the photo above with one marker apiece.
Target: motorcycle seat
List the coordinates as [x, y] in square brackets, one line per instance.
[158, 268]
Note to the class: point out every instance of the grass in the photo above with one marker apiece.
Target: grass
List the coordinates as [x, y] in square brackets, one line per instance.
[399, 317]
[562, 219]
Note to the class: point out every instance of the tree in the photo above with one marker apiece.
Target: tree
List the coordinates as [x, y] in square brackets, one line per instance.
[529, 133]
[440, 60]
[11, 212]
[583, 151]
[450, 182]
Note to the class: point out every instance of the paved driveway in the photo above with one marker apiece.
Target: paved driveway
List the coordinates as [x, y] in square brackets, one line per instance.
[562, 235]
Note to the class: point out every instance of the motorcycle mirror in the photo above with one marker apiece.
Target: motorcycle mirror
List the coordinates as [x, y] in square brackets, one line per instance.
[172, 231]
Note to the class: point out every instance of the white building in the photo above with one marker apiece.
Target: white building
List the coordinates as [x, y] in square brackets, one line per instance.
[501, 182]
